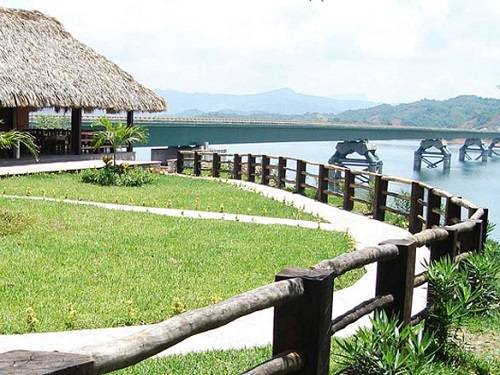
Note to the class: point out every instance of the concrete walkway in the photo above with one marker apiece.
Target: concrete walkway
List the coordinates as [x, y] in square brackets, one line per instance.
[63, 166]
[254, 329]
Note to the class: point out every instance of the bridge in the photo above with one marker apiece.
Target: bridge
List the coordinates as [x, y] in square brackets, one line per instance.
[183, 132]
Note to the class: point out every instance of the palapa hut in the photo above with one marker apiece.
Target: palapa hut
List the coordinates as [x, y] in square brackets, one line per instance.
[43, 66]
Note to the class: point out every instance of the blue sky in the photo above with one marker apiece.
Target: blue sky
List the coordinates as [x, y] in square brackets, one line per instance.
[383, 50]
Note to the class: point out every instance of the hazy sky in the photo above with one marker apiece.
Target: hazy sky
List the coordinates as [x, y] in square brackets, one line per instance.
[381, 50]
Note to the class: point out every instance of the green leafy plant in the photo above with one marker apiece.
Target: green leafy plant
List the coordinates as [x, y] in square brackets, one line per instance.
[387, 348]
[119, 175]
[14, 138]
[117, 135]
[51, 122]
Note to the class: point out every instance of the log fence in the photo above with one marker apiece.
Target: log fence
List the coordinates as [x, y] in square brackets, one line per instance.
[302, 298]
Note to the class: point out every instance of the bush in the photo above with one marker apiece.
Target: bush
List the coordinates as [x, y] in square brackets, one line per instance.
[119, 175]
[387, 348]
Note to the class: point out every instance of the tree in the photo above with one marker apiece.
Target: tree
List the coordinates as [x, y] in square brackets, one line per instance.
[14, 138]
[117, 135]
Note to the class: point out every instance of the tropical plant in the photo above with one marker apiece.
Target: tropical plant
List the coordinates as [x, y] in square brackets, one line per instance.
[14, 138]
[117, 135]
[387, 348]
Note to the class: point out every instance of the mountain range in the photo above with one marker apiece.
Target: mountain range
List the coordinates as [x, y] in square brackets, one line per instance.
[466, 111]
[280, 102]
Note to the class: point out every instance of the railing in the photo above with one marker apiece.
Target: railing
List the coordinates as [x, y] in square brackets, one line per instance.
[58, 141]
[303, 298]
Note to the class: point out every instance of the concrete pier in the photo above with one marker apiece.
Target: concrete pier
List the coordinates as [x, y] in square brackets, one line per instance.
[473, 149]
[432, 152]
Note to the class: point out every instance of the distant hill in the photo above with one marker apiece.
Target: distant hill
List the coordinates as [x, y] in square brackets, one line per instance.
[465, 111]
[277, 102]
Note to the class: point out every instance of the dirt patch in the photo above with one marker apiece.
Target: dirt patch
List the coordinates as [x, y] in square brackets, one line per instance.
[12, 222]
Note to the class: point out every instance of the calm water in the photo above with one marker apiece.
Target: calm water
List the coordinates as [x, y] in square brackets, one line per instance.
[476, 181]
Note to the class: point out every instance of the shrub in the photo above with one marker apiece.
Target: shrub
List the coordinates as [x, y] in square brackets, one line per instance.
[387, 348]
[119, 175]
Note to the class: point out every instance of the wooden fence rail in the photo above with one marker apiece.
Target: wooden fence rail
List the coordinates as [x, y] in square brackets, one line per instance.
[302, 298]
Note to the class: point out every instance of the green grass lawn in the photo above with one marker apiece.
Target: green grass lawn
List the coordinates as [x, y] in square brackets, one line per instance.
[168, 191]
[70, 267]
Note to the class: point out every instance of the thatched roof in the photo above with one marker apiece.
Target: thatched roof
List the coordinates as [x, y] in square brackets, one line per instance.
[43, 66]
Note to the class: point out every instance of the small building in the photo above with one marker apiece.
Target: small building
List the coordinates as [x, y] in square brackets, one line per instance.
[43, 66]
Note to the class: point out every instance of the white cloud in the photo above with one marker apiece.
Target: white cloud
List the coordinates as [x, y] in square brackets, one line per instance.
[385, 50]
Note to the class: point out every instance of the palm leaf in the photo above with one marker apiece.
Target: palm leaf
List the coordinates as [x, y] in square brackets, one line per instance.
[12, 138]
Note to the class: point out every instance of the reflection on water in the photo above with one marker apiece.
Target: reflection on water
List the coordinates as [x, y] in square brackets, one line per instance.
[479, 182]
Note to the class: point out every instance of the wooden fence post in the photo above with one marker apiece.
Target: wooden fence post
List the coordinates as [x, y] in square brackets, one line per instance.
[396, 276]
[264, 174]
[215, 165]
[322, 193]
[179, 165]
[484, 230]
[281, 172]
[416, 207]
[250, 168]
[45, 363]
[303, 325]
[237, 167]
[433, 202]
[300, 177]
[446, 247]
[196, 164]
[348, 190]
[453, 212]
[380, 198]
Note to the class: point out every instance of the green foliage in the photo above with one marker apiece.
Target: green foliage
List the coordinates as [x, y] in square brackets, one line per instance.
[12, 222]
[12, 138]
[387, 348]
[118, 175]
[117, 135]
[51, 122]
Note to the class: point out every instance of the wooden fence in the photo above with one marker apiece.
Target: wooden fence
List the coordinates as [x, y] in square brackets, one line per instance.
[303, 298]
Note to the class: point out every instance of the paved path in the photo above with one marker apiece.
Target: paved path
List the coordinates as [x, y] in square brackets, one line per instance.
[254, 329]
[62, 166]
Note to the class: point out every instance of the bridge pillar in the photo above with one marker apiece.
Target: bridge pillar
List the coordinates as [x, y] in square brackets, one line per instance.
[432, 152]
[369, 159]
[494, 148]
[473, 149]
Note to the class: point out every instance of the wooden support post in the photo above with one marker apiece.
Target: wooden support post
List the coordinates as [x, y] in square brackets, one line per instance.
[130, 122]
[236, 175]
[179, 165]
[444, 248]
[484, 230]
[416, 207]
[303, 325]
[473, 240]
[396, 276]
[322, 193]
[348, 190]
[196, 164]
[380, 198]
[250, 168]
[264, 162]
[300, 177]
[215, 165]
[76, 131]
[281, 172]
[453, 212]
[45, 363]
[433, 202]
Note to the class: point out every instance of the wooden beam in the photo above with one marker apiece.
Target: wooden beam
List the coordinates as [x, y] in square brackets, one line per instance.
[130, 122]
[76, 131]
[45, 363]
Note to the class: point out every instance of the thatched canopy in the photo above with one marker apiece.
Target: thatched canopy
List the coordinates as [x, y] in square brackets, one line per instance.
[43, 66]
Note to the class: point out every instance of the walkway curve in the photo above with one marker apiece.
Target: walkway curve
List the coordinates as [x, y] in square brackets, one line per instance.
[255, 329]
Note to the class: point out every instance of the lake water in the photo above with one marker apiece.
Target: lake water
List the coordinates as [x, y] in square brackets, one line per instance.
[475, 181]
